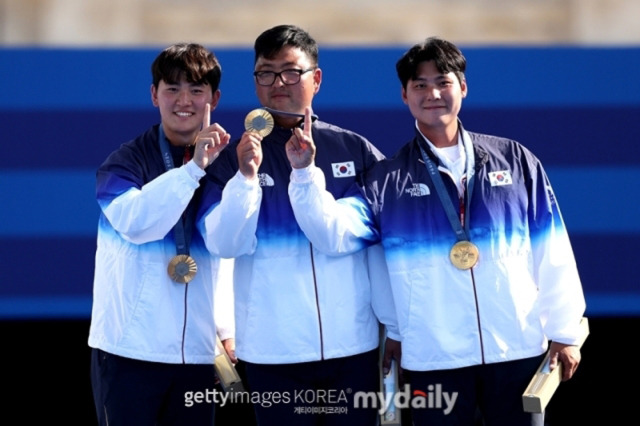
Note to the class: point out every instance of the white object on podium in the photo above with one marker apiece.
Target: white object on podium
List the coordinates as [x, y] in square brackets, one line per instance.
[226, 372]
[545, 382]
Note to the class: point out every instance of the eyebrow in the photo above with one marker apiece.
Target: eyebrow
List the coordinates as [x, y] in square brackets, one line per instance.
[439, 77]
[287, 65]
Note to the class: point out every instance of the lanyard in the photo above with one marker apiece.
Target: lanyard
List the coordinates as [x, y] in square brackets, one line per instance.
[183, 228]
[460, 227]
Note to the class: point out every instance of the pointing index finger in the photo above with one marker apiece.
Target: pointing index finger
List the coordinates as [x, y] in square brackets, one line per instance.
[206, 120]
[307, 121]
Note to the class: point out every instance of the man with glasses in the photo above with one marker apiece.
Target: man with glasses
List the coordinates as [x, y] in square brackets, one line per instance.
[305, 322]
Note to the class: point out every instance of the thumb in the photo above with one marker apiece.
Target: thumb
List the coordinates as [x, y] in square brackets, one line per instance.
[553, 361]
[386, 363]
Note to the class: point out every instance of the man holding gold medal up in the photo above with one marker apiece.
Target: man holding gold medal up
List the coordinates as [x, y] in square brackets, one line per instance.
[306, 322]
[152, 326]
[479, 260]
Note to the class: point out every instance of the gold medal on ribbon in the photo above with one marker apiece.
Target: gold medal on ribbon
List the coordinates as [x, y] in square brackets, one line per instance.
[182, 268]
[259, 121]
[464, 255]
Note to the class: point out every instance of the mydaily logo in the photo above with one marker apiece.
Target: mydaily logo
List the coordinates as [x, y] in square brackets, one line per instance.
[433, 398]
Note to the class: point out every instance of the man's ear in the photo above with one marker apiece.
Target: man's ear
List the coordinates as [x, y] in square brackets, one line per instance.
[317, 79]
[215, 99]
[154, 95]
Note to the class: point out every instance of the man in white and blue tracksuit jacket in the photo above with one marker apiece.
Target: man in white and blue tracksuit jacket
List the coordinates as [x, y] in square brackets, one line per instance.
[307, 323]
[473, 336]
[153, 338]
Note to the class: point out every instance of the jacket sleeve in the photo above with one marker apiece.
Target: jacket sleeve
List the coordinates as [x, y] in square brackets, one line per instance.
[382, 299]
[335, 227]
[561, 297]
[229, 228]
[147, 213]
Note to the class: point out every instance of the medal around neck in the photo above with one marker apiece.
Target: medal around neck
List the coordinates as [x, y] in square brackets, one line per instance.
[464, 255]
[259, 121]
[182, 268]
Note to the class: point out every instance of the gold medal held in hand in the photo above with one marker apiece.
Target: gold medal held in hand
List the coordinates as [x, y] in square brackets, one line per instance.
[182, 268]
[259, 121]
[464, 255]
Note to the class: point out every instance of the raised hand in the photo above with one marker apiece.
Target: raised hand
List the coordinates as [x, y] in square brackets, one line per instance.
[301, 151]
[249, 152]
[210, 141]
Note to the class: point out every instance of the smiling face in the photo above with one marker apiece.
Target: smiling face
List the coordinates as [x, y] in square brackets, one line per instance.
[182, 106]
[288, 97]
[434, 100]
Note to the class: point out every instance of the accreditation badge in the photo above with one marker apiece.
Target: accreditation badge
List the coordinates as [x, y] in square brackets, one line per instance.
[182, 268]
[464, 255]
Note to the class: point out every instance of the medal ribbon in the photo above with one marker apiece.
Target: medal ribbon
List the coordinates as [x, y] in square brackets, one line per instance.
[183, 228]
[460, 227]
[290, 114]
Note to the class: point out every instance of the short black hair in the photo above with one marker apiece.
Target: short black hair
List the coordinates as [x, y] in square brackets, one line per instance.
[446, 55]
[194, 61]
[271, 41]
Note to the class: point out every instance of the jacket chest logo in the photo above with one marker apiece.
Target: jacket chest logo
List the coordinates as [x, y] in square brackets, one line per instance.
[500, 178]
[418, 190]
[345, 169]
[265, 180]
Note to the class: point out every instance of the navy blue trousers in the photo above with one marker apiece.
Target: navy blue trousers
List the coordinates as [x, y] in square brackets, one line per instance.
[314, 393]
[459, 397]
[140, 393]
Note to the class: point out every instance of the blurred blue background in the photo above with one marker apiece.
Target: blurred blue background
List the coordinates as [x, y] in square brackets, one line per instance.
[559, 76]
[63, 110]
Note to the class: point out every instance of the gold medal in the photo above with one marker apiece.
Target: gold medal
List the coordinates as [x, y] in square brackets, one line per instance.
[464, 255]
[182, 268]
[259, 121]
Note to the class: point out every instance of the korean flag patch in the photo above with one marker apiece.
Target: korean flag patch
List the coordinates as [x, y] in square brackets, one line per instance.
[345, 169]
[503, 177]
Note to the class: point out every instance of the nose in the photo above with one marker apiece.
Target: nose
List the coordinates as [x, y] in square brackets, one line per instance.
[278, 81]
[433, 93]
[184, 97]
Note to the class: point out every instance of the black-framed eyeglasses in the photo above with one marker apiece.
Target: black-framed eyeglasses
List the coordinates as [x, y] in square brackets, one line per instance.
[291, 76]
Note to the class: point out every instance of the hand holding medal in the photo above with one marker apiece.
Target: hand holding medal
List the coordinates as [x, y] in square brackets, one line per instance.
[258, 124]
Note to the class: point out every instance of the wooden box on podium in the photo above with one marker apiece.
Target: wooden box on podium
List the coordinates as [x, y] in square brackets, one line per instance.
[226, 372]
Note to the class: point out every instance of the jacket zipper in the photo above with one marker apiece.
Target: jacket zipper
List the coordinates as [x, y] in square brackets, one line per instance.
[475, 294]
[473, 281]
[315, 288]
[184, 323]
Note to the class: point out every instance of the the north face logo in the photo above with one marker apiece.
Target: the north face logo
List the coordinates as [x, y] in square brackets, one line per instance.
[265, 180]
[418, 190]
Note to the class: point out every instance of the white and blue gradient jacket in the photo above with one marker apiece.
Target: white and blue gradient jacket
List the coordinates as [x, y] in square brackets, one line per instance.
[525, 288]
[138, 311]
[294, 303]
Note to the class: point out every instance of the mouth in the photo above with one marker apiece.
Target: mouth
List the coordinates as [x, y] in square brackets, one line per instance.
[184, 114]
[279, 95]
